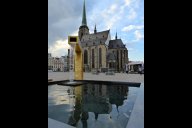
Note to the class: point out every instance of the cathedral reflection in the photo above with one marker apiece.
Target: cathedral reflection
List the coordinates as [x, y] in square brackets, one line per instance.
[97, 99]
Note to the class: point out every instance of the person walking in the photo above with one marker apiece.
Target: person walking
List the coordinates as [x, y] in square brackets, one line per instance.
[127, 68]
[140, 70]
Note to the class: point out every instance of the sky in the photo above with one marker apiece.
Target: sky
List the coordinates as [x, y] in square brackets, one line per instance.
[126, 17]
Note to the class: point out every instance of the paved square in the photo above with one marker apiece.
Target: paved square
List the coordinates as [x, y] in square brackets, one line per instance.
[56, 76]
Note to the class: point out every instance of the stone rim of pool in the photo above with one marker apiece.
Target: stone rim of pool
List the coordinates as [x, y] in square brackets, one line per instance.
[80, 82]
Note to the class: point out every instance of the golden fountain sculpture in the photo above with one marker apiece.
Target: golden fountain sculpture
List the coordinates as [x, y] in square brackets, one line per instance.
[78, 57]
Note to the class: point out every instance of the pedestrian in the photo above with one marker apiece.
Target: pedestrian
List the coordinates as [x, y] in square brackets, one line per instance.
[140, 70]
[127, 68]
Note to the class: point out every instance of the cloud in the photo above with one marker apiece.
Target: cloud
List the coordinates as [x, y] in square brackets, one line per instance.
[127, 2]
[61, 46]
[110, 16]
[132, 14]
[132, 27]
[61, 15]
[112, 9]
[138, 35]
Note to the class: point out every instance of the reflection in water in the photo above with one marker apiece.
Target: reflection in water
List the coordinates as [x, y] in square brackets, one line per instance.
[98, 99]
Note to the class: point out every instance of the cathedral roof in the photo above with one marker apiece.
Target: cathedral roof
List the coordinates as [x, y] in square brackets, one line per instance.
[117, 43]
[94, 38]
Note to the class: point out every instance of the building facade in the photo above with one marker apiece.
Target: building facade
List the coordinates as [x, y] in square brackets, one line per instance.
[50, 64]
[55, 63]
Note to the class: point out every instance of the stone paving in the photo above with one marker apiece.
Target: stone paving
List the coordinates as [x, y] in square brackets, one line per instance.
[55, 76]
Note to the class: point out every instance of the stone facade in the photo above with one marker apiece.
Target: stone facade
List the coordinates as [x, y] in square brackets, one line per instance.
[55, 63]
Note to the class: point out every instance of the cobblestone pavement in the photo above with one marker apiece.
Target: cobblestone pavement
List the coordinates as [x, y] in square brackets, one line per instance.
[55, 76]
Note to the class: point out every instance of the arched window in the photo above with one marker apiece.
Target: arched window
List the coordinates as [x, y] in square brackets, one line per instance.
[121, 59]
[117, 60]
[100, 57]
[124, 54]
[93, 59]
[85, 57]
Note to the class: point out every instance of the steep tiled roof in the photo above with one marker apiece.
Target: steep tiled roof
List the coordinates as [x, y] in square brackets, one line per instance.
[117, 43]
[94, 38]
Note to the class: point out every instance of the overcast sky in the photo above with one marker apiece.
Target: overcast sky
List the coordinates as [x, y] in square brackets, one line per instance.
[124, 16]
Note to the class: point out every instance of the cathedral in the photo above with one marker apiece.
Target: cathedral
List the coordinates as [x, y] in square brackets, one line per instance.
[100, 52]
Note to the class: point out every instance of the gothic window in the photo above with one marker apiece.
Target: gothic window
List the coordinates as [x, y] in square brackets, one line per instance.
[117, 60]
[100, 57]
[121, 58]
[124, 54]
[85, 57]
[93, 59]
[93, 43]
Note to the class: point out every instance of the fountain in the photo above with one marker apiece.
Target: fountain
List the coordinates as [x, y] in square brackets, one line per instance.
[75, 62]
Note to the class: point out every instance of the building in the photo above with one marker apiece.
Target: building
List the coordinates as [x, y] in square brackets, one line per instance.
[99, 51]
[55, 63]
[66, 63]
[135, 65]
[58, 64]
[50, 64]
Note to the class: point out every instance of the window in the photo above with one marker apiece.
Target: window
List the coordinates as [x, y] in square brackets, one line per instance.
[124, 54]
[93, 59]
[121, 59]
[117, 60]
[85, 57]
[100, 57]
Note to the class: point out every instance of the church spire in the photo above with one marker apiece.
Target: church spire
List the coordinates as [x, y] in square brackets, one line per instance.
[83, 29]
[84, 20]
[95, 30]
[116, 35]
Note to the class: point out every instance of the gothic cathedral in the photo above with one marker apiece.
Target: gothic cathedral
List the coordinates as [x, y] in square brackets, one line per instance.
[99, 51]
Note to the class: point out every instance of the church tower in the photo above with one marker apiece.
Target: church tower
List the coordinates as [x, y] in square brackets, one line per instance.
[83, 29]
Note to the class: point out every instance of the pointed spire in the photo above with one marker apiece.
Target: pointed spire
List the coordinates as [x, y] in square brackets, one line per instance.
[84, 20]
[95, 30]
[116, 35]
